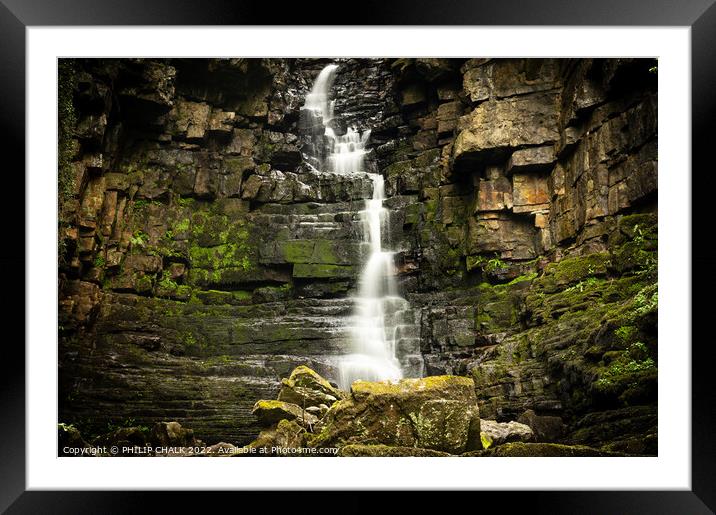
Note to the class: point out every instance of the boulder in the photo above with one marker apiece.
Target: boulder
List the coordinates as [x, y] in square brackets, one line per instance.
[439, 413]
[171, 434]
[493, 433]
[545, 428]
[271, 412]
[447, 425]
[306, 388]
[286, 435]
[69, 437]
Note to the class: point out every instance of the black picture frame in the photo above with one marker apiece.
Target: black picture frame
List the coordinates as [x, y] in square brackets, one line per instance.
[699, 15]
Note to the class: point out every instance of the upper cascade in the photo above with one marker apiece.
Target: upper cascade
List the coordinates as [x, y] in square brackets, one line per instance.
[333, 151]
[318, 99]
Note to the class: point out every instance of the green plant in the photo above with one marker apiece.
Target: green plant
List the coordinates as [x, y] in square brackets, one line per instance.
[139, 238]
[626, 333]
[140, 204]
[646, 301]
[622, 367]
[494, 264]
[185, 201]
[582, 285]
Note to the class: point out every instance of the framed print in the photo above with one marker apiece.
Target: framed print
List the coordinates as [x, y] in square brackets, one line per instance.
[403, 249]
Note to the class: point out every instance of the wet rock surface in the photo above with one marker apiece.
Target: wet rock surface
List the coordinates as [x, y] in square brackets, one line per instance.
[202, 260]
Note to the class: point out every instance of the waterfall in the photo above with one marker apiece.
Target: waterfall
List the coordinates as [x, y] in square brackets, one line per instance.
[318, 99]
[377, 320]
[377, 306]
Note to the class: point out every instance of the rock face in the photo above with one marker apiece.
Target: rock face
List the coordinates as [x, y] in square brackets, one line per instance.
[201, 260]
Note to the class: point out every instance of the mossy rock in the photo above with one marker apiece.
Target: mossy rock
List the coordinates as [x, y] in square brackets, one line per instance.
[416, 391]
[447, 425]
[171, 434]
[521, 449]
[639, 225]
[307, 388]
[323, 271]
[493, 433]
[68, 436]
[382, 451]
[269, 412]
[569, 271]
[217, 297]
[440, 412]
[287, 434]
[634, 256]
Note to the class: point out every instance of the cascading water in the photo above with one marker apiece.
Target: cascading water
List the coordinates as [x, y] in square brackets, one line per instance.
[377, 306]
[378, 315]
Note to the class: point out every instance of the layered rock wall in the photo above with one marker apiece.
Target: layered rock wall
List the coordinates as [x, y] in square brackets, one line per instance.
[202, 260]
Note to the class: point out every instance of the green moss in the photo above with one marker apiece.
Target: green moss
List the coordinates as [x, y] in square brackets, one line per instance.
[324, 252]
[522, 278]
[182, 225]
[322, 271]
[228, 255]
[412, 213]
[497, 307]
[645, 302]
[520, 449]
[139, 239]
[66, 146]
[297, 251]
[624, 367]
[569, 271]
[67, 120]
[431, 210]
[185, 201]
[581, 286]
[626, 334]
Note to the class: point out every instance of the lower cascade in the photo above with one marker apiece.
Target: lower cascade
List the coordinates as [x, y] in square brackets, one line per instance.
[378, 306]
[376, 323]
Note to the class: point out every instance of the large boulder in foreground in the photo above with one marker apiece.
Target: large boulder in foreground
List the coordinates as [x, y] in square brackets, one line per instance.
[438, 413]
[495, 433]
[306, 388]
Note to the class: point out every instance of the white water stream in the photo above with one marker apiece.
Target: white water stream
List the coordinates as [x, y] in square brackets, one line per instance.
[378, 307]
